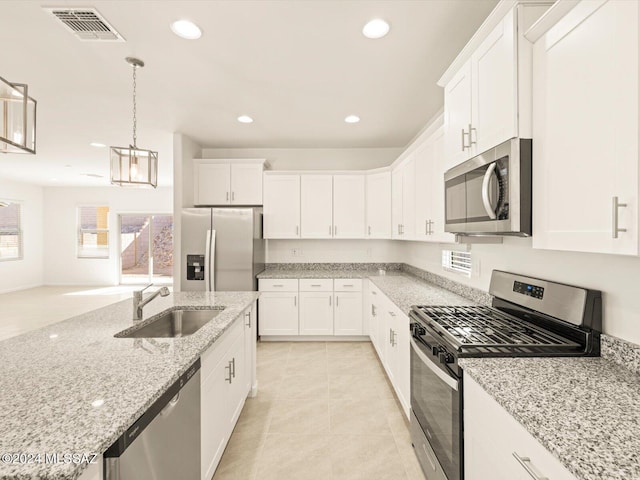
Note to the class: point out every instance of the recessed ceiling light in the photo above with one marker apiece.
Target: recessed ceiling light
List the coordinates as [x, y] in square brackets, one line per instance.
[245, 119]
[352, 119]
[186, 29]
[96, 144]
[376, 28]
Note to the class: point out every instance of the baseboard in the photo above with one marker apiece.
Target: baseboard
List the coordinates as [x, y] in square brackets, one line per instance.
[313, 338]
[254, 390]
[26, 287]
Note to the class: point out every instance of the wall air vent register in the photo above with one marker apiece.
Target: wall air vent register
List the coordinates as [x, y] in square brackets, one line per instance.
[86, 24]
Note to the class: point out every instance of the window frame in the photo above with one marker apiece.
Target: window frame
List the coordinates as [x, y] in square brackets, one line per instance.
[19, 231]
[80, 231]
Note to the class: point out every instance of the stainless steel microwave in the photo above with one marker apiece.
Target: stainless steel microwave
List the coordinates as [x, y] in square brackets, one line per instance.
[490, 194]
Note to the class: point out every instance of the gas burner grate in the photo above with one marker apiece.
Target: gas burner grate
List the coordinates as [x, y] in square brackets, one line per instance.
[484, 327]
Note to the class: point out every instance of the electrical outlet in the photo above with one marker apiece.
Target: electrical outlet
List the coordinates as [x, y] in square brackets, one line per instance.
[294, 252]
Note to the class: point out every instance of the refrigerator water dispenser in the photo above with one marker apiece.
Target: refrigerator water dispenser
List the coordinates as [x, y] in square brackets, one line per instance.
[195, 267]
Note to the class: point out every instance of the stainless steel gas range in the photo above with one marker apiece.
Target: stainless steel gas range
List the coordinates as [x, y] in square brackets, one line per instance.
[528, 317]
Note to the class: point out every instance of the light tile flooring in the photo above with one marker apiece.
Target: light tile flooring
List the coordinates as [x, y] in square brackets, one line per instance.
[34, 308]
[323, 411]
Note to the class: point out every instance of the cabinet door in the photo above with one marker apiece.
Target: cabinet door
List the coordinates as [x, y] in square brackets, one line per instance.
[493, 87]
[457, 116]
[379, 205]
[436, 191]
[396, 202]
[409, 200]
[424, 181]
[246, 184]
[402, 365]
[238, 388]
[348, 206]
[281, 206]
[586, 130]
[375, 313]
[278, 313]
[316, 313]
[348, 313]
[212, 183]
[316, 206]
[215, 414]
[250, 337]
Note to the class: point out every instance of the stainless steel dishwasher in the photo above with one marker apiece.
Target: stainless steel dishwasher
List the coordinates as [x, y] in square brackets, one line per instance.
[164, 443]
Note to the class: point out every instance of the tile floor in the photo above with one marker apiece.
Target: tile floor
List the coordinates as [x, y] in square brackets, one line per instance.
[34, 308]
[324, 411]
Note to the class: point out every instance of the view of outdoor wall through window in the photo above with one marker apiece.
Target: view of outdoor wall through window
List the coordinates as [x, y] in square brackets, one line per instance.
[10, 231]
[93, 232]
[146, 249]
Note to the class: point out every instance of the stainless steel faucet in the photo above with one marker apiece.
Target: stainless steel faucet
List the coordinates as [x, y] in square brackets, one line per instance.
[139, 302]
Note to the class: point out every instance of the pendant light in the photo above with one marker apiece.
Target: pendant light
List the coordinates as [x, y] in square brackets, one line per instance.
[133, 166]
[17, 118]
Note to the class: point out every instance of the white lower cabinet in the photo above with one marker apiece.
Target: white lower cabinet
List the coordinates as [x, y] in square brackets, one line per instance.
[278, 313]
[390, 335]
[514, 454]
[348, 313]
[316, 313]
[224, 388]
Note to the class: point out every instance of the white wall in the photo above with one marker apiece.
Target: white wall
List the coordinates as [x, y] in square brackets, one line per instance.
[312, 158]
[616, 275]
[28, 272]
[329, 251]
[61, 265]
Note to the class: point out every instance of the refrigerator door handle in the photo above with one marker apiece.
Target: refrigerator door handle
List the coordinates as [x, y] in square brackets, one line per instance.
[210, 261]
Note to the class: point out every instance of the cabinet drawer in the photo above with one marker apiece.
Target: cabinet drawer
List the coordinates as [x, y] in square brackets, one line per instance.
[347, 285]
[219, 348]
[316, 285]
[278, 285]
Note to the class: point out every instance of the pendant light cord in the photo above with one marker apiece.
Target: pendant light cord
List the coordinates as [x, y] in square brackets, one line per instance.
[134, 106]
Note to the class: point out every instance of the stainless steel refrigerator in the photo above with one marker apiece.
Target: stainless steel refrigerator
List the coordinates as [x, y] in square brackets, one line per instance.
[222, 249]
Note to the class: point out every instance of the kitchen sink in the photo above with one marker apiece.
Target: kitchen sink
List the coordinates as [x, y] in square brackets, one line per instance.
[175, 323]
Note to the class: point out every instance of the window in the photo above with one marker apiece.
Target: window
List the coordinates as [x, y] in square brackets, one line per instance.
[10, 233]
[93, 232]
[146, 249]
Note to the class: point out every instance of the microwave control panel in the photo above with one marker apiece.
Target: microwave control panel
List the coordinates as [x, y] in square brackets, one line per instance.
[528, 289]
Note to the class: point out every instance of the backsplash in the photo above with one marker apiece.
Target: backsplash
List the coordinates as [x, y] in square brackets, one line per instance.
[334, 266]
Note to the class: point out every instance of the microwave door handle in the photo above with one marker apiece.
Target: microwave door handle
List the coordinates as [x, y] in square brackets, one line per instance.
[486, 184]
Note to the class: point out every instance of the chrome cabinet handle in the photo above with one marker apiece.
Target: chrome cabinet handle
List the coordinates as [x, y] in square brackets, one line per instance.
[329, 229]
[398, 229]
[329, 300]
[278, 285]
[615, 229]
[229, 368]
[373, 310]
[337, 300]
[295, 300]
[390, 336]
[426, 227]
[227, 196]
[471, 141]
[431, 227]
[464, 146]
[525, 462]
[233, 365]
[369, 229]
[335, 230]
[233, 196]
[394, 342]
[297, 230]
[315, 285]
[248, 316]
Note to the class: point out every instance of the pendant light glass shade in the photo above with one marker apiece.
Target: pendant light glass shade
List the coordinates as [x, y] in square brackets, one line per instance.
[135, 167]
[17, 118]
[132, 166]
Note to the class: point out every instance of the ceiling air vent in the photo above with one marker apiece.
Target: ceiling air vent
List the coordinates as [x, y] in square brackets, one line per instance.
[86, 23]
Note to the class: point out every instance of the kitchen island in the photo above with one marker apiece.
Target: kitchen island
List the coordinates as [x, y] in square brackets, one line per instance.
[73, 388]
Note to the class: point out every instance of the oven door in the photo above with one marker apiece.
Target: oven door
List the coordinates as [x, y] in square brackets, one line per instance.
[436, 405]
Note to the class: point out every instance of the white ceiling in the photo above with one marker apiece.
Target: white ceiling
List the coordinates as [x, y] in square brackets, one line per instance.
[297, 67]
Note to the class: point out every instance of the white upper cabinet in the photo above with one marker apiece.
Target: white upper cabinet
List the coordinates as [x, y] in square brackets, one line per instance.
[585, 149]
[457, 116]
[348, 206]
[379, 205]
[316, 194]
[403, 200]
[281, 206]
[212, 183]
[493, 88]
[246, 183]
[487, 90]
[228, 182]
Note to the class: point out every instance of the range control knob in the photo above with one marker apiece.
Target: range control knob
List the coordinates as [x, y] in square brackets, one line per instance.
[445, 357]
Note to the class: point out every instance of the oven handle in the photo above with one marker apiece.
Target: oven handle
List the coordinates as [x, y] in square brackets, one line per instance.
[485, 191]
[439, 373]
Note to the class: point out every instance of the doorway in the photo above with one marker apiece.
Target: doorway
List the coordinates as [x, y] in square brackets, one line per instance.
[146, 249]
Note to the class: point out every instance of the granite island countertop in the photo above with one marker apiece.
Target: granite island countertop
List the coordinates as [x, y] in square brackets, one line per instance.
[51, 376]
[585, 411]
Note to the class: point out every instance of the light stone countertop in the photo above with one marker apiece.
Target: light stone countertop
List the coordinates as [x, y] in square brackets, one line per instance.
[585, 411]
[403, 289]
[51, 376]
